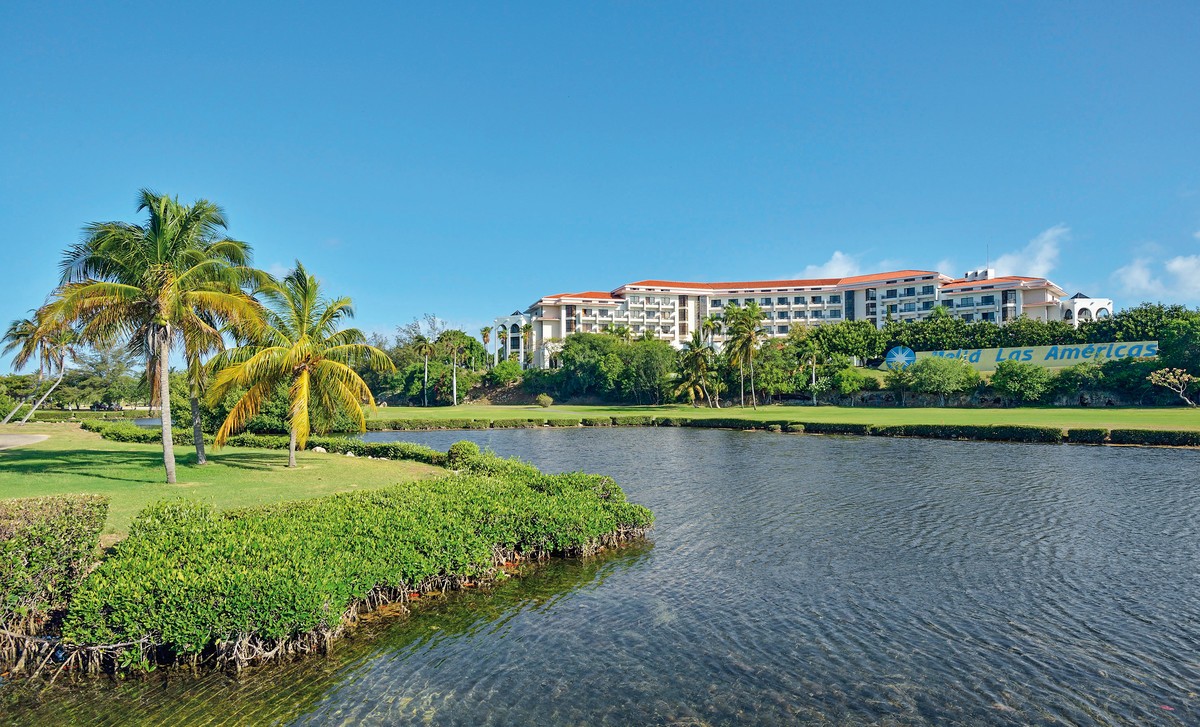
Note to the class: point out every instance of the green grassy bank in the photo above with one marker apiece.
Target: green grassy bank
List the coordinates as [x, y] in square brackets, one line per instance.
[130, 475]
[1176, 418]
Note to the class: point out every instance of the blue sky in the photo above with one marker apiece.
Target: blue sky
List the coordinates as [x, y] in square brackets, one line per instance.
[464, 161]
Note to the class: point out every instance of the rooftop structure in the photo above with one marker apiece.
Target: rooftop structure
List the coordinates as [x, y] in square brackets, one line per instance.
[670, 309]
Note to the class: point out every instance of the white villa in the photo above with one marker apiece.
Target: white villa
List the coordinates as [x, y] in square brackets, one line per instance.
[671, 310]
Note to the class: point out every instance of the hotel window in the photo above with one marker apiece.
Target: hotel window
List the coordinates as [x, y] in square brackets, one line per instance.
[781, 300]
[783, 329]
[768, 330]
[968, 317]
[733, 301]
[817, 300]
[908, 308]
[768, 315]
[818, 314]
[909, 292]
[716, 303]
[801, 314]
[798, 300]
[989, 316]
[926, 290]
[782, 315]
[891, 293]
[987, 300]
[869, 294]
[835, 299]
[967, 302]
[927, 305]
[836, 313]
[764, 301]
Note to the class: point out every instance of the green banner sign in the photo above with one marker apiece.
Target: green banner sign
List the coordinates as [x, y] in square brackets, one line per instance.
[985, 359]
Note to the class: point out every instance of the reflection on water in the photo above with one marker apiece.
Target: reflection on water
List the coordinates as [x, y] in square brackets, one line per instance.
[838, 580]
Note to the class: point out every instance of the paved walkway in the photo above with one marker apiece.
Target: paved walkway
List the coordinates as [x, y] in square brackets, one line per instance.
[8, 441]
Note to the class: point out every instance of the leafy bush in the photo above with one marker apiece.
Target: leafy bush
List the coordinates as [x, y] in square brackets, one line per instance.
[794, 427]
[1155, 437]
[505, 372]
[633, 420]
[564, 422]
[983, 432]
[725, 423]
[56, 415]
[517, 423]
[128, 432]
[597, 421]
[672, 421]
[460, 454]
[1021, 382]
[190, 579]
[1087, 436]
[835, 428]
[544, 400]
[47, 545]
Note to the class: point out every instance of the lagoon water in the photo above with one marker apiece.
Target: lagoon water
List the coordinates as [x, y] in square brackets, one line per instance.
[789, 578]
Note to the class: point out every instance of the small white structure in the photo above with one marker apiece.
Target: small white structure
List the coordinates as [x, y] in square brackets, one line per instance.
[1080, 308]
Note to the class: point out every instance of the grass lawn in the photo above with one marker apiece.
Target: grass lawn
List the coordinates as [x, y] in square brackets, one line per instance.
[132, 475]
[1104, 417]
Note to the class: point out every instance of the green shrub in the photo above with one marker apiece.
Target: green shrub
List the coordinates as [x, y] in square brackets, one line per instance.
[835, 428]
[794, 427]
[1155, 437]
[1087, 436]
[191, 579]
[672, 421]
[597, 421]
[460, 454]
[564, 422]
[517, 423]
[725, 423]
[543, 400]
[129, 432]
[633, 420]
[982, 432]
[505, 372]
[47, 545]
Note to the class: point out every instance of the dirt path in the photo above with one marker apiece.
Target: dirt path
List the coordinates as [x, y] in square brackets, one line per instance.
[8, 441]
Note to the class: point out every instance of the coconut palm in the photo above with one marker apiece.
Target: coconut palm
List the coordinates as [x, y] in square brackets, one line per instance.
[424, 348]
[745, 333]
[485, 335]
[695, 363]
[46, 338]
[622, 332]
[527, 338]
[711, 326]
[453, 341]
[151, 284]
[301, 346]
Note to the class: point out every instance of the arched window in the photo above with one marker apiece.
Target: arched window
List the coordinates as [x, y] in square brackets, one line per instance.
[1068, 315]
[1102, 313]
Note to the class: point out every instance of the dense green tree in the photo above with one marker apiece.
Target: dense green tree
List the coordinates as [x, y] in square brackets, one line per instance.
[1021, 382]
[854, 339]
[942, 376]
[1179, 343]
[48, 339]
[503, 373]
[695, 370]
[849, 381]
[744, 333]
[898, 380]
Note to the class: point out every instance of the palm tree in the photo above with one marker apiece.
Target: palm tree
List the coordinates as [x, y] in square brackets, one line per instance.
[425, 348]
[811, 355]
[745, 333]
[485, 334]
[454, 341]
[695, 363]
[151, 284]
[622, 332]
[527, 338]
[299, 345]
[712, 325]
[49, 340]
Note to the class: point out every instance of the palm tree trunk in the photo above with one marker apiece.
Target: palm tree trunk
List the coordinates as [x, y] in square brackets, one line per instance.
[742, 377]
[292, 447]
[197, 433]
[814, 382]
[454, 380]
[16, 407]
[164, 402]
[753, 398]
[62, 372]
[425, 386]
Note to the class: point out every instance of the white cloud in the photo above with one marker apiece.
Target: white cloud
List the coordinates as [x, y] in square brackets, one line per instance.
[278, 270]
[1038, 258]
[1176, 280]
[947, 266]
[839, 265]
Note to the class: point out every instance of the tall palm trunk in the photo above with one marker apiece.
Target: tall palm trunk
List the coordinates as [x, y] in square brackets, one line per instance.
[292, 447]
[425, 386]
[742, 380]
[753, 398]
[197, 432]
[164, 401]
[454, 379]
[62, 371]
[813, 389]
[16, 407]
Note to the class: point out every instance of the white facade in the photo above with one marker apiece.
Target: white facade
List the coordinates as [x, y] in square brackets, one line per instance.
[672, 310]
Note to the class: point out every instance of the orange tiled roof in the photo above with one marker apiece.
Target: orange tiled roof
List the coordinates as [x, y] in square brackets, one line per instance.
[591, 294]
[960, 283]
[875, 277]
[805, 283]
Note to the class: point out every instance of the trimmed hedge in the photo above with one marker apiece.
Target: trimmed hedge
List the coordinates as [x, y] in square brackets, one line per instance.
[189, 581]
[982, 432]
[724, 423]
[633, 420]
[835, 428]
[128, 432]
[672, 421]
[56, 415]
[564, 422]
[1087, 436]
[1155, 437]
[47, 545]
[597, 421]
[517, 423]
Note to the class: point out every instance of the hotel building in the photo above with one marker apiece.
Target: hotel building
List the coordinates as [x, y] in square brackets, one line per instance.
[671, 310]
